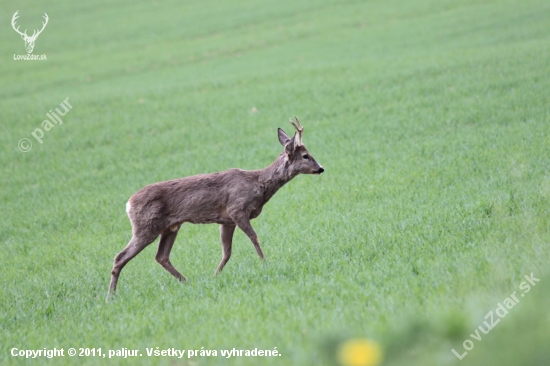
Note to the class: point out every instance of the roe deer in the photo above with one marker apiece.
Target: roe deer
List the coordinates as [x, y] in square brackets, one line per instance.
[230, 198]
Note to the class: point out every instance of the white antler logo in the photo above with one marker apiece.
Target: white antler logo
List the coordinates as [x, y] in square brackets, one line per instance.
[29, 41]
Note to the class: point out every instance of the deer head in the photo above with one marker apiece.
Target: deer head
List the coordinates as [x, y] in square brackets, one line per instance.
[29, 41]
[301, 161]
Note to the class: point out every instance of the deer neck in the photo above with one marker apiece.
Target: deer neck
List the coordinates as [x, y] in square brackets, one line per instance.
[275, 176]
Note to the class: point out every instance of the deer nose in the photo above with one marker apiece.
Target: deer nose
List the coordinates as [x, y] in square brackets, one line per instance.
[320, 170]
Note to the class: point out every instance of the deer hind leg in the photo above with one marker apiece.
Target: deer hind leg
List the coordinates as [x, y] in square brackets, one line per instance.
[167, 239]
[136, 245]
[226, 234]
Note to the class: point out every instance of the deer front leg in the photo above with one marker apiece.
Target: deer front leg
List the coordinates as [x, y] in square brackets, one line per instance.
[226, 235]
[242, 221]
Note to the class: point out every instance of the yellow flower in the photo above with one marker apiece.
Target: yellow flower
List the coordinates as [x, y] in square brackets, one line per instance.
[360, 352]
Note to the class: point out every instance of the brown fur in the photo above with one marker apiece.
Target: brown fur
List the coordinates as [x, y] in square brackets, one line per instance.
[229, 198]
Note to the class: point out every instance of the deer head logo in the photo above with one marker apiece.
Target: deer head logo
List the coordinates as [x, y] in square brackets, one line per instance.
[29, 41]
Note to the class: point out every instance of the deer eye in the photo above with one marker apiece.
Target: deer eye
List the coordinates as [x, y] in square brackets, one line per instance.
[306, 156]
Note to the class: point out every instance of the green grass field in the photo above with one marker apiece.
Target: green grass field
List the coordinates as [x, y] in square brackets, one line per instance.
[431, 119]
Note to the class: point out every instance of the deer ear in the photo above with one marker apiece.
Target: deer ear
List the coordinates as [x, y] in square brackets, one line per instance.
[290, 146]
[283, 138]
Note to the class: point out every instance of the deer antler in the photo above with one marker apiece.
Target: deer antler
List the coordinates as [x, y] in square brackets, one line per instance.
[43, 26]
[300, 129]
[35, 32]
[13, 19]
